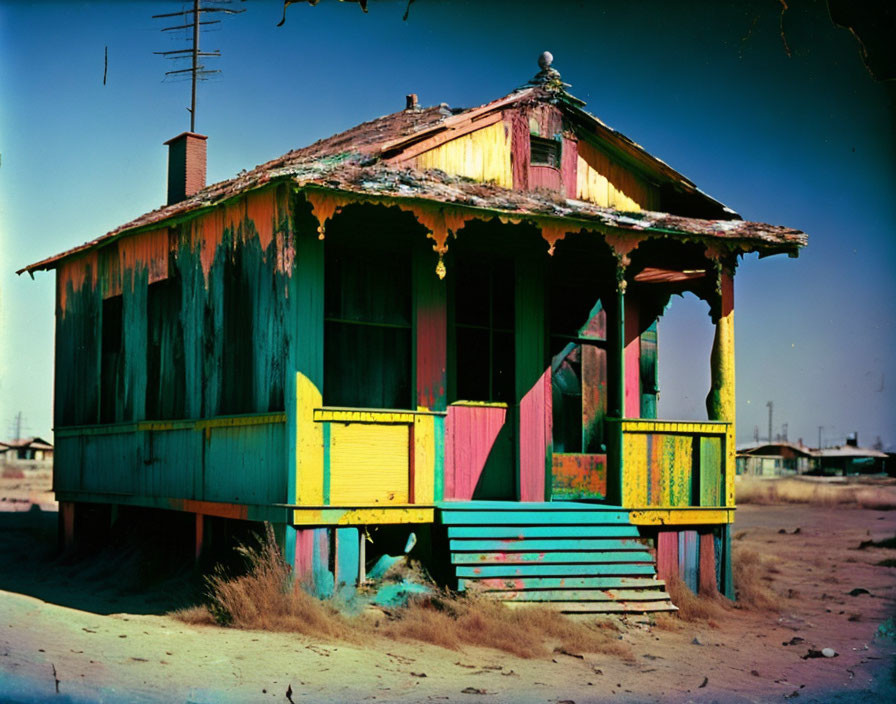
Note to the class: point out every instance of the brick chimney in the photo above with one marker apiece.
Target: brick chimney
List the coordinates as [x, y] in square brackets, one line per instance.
[186, 165]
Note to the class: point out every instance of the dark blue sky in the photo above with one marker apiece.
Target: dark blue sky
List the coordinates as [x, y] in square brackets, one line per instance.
[805, 140]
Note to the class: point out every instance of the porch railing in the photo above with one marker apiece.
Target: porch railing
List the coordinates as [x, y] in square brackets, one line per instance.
[674, 464]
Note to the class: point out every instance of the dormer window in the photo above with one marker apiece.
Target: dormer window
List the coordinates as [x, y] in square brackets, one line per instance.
[544, 152]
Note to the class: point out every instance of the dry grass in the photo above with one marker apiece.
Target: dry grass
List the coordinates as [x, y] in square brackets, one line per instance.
[880, 496]
[528, 631]
[707, 608]
[267, 598]
[751, 580]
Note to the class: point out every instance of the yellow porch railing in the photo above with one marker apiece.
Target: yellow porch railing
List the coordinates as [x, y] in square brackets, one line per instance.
[676, 472]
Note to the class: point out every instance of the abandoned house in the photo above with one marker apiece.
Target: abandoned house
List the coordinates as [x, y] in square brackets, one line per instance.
[442, 320]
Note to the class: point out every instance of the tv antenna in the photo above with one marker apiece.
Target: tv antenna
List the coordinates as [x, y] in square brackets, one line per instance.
[194, 20]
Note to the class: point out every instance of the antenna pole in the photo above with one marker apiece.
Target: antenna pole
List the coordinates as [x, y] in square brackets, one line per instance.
[195, 63]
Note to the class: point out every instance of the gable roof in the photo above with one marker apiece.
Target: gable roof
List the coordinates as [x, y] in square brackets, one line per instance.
[366, 160]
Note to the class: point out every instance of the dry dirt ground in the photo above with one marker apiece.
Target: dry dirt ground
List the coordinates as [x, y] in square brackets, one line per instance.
[71, 632]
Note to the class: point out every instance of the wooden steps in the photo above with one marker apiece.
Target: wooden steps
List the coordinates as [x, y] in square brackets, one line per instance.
[579, 558]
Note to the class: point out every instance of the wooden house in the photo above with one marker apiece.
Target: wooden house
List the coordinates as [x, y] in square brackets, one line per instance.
[440, 319]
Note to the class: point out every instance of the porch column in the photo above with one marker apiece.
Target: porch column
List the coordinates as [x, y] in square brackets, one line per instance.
[720, 403]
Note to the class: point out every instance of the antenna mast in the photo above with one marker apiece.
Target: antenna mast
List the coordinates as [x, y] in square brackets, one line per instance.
[193, 20]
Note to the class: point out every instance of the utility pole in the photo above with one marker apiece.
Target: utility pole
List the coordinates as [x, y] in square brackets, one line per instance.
[771, 406]
[820, 427]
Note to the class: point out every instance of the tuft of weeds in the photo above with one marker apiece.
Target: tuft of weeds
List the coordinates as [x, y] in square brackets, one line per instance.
[527, 631]
[751, 576]
[266, 597]
[692, 607]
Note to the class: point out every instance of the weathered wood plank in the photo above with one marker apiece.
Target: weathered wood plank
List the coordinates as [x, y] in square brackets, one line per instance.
[551, 570]
[533, 544]
[525, 583]
[562, 595]
[545, 557]
[606, 606]
[581, 531]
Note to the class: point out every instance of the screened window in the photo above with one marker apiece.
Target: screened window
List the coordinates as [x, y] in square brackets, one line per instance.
[367, 328]
[484, 330]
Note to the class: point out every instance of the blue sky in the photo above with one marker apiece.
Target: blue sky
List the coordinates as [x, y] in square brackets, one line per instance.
[804, 140]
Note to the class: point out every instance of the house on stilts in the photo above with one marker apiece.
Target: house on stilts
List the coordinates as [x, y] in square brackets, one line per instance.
[440, 321]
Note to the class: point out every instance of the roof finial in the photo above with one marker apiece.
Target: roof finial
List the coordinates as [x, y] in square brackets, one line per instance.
[548, 77]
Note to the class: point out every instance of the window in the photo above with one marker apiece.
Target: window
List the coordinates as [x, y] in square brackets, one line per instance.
[367, 328]
[111, 361]
[544, 152]
[237, 349]
[164, 351]
[484, 330]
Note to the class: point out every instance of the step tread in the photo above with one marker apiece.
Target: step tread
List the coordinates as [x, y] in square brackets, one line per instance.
[519, 532]
[552, 570]
[544, 557]
[529, 583]
[537, 544]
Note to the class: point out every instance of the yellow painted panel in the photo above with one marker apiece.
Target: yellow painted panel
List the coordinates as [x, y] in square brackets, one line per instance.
[684, 462]
[369, 464]
[603, 181]
[339, 415]
[424, 459]
[362, 516]
[634, 475]
[678, 516]
[483, 155]
[309, 444]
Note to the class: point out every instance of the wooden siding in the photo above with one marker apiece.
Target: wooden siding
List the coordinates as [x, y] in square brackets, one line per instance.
[483, 155]
[471, 431]
[225, 460]
[603, 181]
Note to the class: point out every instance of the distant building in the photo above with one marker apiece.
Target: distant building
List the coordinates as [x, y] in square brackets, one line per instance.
[851, 459]
[27, 453]
[774, 459]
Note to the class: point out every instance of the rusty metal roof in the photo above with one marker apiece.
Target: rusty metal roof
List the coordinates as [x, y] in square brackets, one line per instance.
[355, 161]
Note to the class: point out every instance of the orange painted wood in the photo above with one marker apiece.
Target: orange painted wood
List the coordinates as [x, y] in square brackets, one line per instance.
[707, 570]
[470, 434]
[519, 150]
[667, 554]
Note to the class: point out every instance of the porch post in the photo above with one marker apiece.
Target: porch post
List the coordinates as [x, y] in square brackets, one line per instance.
[720, 403]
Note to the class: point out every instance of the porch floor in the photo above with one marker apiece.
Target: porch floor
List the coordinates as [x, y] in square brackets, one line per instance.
[582, 557]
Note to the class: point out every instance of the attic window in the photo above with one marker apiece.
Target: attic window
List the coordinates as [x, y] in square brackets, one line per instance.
[544, 152]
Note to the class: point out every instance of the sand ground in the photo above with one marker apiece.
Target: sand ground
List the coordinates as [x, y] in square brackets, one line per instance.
[70, 633]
